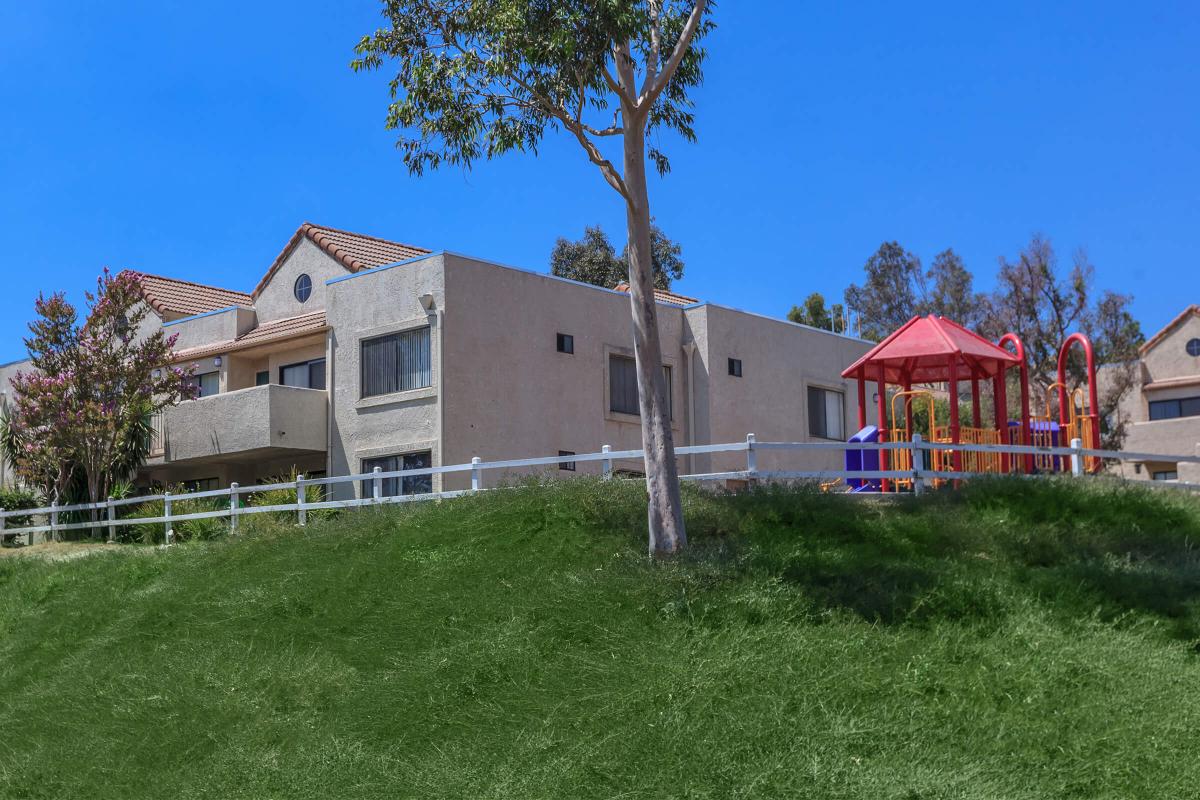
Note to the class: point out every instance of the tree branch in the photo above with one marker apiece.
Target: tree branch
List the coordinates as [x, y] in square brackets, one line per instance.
[653, 89]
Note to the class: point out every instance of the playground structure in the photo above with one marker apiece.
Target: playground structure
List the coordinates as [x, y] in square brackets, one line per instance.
[934, 350]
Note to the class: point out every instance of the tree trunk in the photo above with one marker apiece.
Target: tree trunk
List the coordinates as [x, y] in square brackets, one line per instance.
[667, 534]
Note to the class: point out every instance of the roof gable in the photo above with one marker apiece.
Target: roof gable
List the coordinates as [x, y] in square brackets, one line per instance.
[354, 251]
[1169, 328]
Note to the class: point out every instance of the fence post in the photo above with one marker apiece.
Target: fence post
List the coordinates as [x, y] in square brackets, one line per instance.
[168, 534]
[476, 474]
[1076, 458]
[112, 519]
[233, 507]
[2, 521]
[917, 455]
[53, 521]
[751, 456]
[377, 485]
[606, 464]
[301, 511]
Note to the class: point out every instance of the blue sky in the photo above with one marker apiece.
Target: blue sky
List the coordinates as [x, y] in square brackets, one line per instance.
[191, 139]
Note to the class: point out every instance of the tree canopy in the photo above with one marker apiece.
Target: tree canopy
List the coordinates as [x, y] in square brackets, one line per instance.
[592, 259]
[815, 314]
[82, 408]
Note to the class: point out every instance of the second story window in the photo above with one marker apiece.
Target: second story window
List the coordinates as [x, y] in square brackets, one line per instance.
[397, 362]
[1173, 409]
[306, 375]
[735, 367]
[566, 343]
[207, 383]
[623, 386]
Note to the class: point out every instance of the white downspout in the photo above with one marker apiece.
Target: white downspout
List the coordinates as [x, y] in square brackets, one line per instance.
[690, 349]
[441, 394]
[437, 319]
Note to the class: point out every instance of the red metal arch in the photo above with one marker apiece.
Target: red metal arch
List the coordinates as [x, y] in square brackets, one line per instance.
[1093, 406]
[1026, 433]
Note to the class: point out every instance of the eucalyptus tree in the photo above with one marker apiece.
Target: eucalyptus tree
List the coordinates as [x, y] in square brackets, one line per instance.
[476, 79]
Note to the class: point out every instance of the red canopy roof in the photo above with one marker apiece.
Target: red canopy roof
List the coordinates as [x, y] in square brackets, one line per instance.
[920, 352]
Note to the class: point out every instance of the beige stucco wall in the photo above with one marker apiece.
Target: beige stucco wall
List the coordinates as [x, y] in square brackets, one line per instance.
[780, 360]
[7, 371]
[277, 300]
[216, 326]
[510, 394]
[372, 304]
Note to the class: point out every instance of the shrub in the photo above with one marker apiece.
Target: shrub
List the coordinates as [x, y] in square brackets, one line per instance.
[184, 530]
[14, 499]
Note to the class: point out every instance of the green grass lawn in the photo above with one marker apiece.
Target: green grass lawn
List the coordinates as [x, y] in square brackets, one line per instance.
[1019, 639]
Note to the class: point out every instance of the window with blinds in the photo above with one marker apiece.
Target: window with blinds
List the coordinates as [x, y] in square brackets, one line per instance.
[409, 484]
[623, 386]
[397, 362]
[825, 413]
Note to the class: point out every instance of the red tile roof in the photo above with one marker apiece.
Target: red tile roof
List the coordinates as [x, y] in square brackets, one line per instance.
[275, 331]
[354, 251]
[169, 296]
[662, 296]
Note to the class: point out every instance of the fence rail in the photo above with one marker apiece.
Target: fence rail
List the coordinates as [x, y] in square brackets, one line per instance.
[104, 515]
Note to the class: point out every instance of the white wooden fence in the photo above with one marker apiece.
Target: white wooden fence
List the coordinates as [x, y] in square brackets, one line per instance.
[105, 515]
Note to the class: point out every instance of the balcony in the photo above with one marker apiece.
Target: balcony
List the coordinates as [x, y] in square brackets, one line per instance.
[262, 422]
[1176, 437]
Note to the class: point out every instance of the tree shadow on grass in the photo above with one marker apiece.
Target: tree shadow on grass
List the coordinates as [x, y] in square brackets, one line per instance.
[1074, 546]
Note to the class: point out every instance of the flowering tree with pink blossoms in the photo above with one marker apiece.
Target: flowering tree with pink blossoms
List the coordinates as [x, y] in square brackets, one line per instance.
[83, 407]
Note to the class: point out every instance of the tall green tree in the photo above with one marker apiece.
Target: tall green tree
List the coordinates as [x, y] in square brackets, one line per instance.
[889, 296]
[948, 290]
[1043, 302]
[480, 78]
[815, 314]
[592, 259]
[897, 288]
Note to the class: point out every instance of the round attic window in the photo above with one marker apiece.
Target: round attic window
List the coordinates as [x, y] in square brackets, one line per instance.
[1193, 347]
[303, 288]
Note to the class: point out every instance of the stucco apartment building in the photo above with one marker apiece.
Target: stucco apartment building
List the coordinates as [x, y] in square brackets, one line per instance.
[354, 352]
[1164, 406]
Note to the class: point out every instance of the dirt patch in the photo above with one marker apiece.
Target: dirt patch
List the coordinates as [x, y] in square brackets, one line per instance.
[57, 551]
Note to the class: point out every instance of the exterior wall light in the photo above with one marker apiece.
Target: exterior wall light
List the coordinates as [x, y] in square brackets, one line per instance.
[217, 361]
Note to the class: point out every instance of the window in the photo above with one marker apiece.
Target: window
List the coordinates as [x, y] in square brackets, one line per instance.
[1165, 475]
[394, 487]
[207, 384]
[735, 367]
[825, 413]
[566, 343]
[396, 363]
[262, 378]
[623, 386]
[566, 466]
[201, 485]
[306, 375]
[1193, 347]
[1172, 409]
[303, 288]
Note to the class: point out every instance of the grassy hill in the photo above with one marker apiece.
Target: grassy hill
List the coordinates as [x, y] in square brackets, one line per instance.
[1019, 639]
